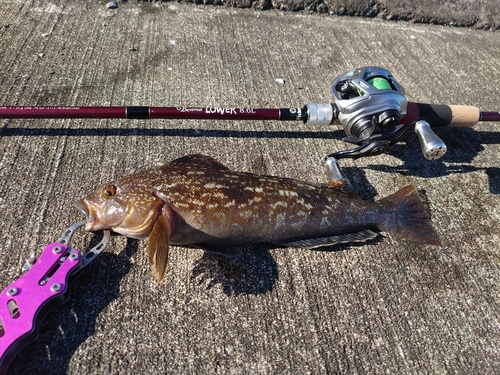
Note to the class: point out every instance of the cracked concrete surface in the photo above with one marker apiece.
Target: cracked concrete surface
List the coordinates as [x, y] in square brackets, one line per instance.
[386, 307]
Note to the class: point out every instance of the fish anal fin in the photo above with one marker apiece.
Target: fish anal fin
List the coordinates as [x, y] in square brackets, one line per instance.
[362, 235]
[159, 242]
[225, 251]
[200, 160]
[343, 187]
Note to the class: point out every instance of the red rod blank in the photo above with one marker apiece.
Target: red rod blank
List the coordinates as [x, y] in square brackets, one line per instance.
[135, 112]
[62, 112]
[489, 116]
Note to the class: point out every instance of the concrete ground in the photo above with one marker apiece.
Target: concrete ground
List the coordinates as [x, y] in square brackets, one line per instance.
[386, 307]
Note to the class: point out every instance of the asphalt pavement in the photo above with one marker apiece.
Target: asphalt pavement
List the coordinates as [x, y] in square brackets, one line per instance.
[388, 306]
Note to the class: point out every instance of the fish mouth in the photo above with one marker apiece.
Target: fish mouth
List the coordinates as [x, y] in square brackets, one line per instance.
[88, 213]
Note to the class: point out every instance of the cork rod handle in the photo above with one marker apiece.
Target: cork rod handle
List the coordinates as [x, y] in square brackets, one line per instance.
[438, 115]
[464, 115]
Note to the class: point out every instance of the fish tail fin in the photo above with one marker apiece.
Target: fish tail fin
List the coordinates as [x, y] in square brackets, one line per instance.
[158, 245]
[410, 218]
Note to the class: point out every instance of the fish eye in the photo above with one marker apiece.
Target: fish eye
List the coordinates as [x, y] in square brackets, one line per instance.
[109, 191]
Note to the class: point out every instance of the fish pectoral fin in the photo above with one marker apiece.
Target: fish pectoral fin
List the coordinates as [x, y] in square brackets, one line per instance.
[200, 160]
[342, 187]
[312, 243]
[194, 218]
[226, 251]
[158, 243]
[162, 196]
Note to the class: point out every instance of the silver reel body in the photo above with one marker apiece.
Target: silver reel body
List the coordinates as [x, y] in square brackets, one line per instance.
[368, 99]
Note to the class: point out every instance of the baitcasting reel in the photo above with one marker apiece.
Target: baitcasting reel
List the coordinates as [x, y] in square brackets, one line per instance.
[371, 107]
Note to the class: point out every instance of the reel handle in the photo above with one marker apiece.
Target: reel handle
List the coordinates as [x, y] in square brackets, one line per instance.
[432, 146]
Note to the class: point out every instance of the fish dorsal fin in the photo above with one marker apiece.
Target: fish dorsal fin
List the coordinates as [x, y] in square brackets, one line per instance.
[201, 160]
[342, 187]
[312, 243]
[158, 243]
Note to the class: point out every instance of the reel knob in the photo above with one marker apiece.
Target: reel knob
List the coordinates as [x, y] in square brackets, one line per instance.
[336, 177]
[432, 146]
[333, 171]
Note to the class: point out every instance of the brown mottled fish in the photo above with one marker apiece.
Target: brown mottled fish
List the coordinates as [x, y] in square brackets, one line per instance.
[197, 201]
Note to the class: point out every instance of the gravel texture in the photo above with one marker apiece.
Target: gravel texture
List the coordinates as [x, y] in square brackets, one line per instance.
[482, 14]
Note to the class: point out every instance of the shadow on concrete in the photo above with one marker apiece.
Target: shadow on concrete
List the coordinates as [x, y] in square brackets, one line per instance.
[148, 132]
[463, 146]
[75, 320]
[252, 271]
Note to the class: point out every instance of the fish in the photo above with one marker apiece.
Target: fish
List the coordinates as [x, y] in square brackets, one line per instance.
[196, 201]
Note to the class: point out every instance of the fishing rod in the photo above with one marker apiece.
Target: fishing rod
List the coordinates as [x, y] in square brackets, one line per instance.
[369, 104]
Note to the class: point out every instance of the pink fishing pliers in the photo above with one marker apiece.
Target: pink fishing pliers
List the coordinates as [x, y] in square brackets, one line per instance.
[45, 285]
